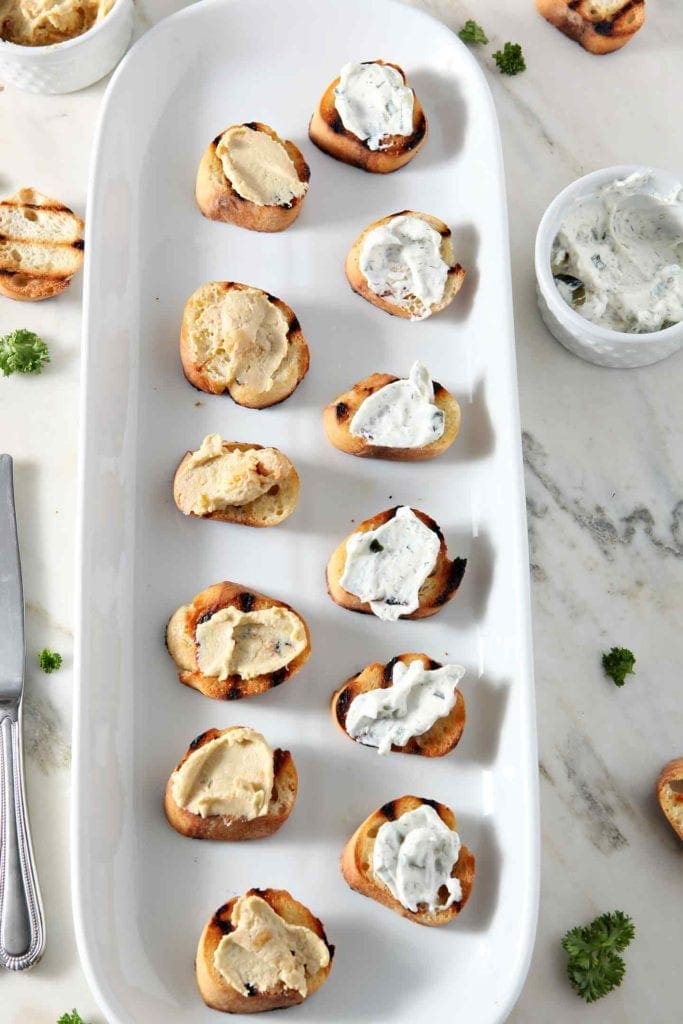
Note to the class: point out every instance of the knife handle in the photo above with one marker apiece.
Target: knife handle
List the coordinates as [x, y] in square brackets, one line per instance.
[22, 929]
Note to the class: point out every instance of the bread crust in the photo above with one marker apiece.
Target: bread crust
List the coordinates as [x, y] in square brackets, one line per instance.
[356, 862]
[338, 414]
[359, 283]
[438, 589]
[228, 827]
[670, 800]
[218, 200]
[25, 285]
[181, 644]
[259, 512]
[328, 133]
[213, 988]
[596, 34]
[443, 736]
[288, 375]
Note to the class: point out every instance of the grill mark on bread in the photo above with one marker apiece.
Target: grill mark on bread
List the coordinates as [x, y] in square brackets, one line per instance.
[389, 810]
[343, 704]
[276, 678]
[453, 580]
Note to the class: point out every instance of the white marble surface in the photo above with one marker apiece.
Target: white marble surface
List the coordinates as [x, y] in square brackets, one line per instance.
[605, 497]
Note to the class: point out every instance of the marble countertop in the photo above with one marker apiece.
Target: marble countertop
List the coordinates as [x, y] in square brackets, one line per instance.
[605, 501]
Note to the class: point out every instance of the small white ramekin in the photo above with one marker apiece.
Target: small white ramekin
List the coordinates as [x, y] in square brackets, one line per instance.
[73, 64]
[597, 344]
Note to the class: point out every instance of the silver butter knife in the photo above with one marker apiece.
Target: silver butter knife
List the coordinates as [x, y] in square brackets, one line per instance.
[22, 929]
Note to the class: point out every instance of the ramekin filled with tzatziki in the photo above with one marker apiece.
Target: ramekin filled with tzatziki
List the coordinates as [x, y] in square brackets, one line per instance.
[609, 266]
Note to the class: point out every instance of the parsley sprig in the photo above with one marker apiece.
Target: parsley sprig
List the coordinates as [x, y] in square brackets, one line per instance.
[22, 351]
[594, 966]
[618, 663]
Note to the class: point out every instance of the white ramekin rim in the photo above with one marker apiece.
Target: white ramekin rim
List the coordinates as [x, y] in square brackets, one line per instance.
[38, 53]
[580, 327]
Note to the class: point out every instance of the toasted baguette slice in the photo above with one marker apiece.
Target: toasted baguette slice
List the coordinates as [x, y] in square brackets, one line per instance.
[413, 311]
[41, 246]
[443, 736]
[356, 862]
[328, 133]
[182, 646]
[338, 414]
[670, 794]
[218, 200]
[600, 26]
[439, 587]
[268, 509]
[198, 344]
[215, 990]
[225, 826]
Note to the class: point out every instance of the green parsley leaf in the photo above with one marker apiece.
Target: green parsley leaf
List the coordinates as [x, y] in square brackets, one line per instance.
[473, 33]
[594, 966]
[618, 663]
[71, 1018]
[22, 351]
[49, 660]
[510, 59]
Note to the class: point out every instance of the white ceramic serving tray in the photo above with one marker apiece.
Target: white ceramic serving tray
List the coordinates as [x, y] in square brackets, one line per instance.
[142, 892]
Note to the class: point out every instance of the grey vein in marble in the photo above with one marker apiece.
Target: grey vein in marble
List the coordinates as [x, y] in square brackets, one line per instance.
[44, 741]
[606, 532]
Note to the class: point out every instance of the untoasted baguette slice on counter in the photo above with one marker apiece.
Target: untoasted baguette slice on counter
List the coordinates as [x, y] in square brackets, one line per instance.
[337, 417]
[238, 339]
[410, 306]
[208, 483]
[600, 26]
[306, 968]
[252, 197]
[41, 246]
[258, 645]
[439, 587]
[443, 736]
[231, 826]
[357, 862]
[670, 794]
[328, 133]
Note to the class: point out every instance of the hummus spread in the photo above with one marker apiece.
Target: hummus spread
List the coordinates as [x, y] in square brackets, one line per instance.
[264, 952]
[43, 22]
[242, 339]
[214, 478]
[258, 167]
[231, 774]
[249, 644]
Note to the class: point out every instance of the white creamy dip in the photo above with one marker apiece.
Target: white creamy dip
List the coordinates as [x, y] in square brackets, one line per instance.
[387, 566]
[618, 256]
[402, 261]
[416, 699]
[373, 102]
[414, 857]
[401, 414]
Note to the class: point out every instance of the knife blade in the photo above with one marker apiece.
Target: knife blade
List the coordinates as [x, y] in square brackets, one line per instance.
[11, 593]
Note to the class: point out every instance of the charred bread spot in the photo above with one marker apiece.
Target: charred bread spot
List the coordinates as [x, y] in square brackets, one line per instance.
[431, 803]
[222, 919]
[389, 810]
[343, 704]
[434, 527]
[294, 325]
[251, 990]
[433, 665]
[457, 269]
[341, 411]
[455, 575]
[336, 124]
[235, 692]
[418, 135]
[246, 601]
[254, 125]
[389, 670]
[204, 617]
[305, 173]
[217, 140]
[78, 244]
[604, 28]
[438, 388]
[279, 759]
[445, 231]
[198, 741]
[276, 678]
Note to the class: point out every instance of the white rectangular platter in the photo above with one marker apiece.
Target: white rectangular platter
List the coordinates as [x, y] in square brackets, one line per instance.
[142, 892]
